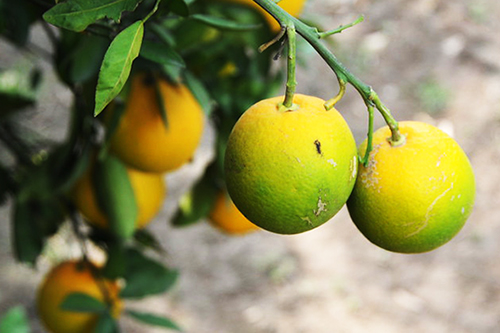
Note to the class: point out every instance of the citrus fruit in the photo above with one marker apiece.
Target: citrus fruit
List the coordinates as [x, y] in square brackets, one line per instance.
[149, 190]
[73, 277]
[413, 197]
[293, 7]
[290, 171]
[226, 217]
[143, 140]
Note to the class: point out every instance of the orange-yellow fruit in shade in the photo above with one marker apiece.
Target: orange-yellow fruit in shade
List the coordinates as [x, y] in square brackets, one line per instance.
[149, 190]
[226, 217]
[290, 171]
[66, 278]
[143, 141]
[415, 197]
[293, 7]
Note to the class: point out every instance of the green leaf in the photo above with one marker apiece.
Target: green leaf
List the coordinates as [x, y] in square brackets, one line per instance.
[80, 302]
[200, 93]
[117, 261]
[77, 15]
[28, 240]
[161, 103]
[146, 239]
[106, 324]
[178, 7]
[15, 321]
[196, 203]
[18, 88]
[161, 53]
[117, 64]
[153, 319]
[145, 276]
[223, 23]
[115, 196]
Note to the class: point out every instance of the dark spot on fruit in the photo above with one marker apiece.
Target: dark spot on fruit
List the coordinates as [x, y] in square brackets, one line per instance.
[318, 146]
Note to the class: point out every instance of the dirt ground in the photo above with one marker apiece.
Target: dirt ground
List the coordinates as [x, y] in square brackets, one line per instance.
[431, 60]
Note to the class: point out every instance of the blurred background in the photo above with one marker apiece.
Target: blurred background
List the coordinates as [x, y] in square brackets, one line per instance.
[431, 60]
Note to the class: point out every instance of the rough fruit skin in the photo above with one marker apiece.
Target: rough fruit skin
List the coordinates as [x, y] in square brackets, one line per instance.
[290, 171]
[149, 189]
[227, 218]
[142, 140]
[415, 197]
[66, 278]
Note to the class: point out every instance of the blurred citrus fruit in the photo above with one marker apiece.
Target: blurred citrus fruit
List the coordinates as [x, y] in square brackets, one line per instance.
[226, 217]
[414, 197]
[290, 171]
[70, 277]
[149, 190]
[293, 7]
[142, 140]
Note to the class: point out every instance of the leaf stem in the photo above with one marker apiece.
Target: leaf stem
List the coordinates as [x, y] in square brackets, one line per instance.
[341, 28]
[155, 8]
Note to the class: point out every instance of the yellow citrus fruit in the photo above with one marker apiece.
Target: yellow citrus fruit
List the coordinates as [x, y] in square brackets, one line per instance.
[149, 190]
[143, 141]
[293, 7]
[73, 277]
[226, 217]
[414, 197]
[290, 171]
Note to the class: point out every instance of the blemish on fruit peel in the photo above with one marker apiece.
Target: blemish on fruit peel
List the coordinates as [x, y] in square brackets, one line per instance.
[332, 162]
[428, 212]
[308, 220]
[463, 210]
[318, 146]
[321, 207]
[353, 166]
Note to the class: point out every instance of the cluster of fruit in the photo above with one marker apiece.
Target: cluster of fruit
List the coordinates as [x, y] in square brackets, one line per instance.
[290, 171]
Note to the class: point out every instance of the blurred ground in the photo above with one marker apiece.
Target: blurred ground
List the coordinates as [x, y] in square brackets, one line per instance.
[432, 60]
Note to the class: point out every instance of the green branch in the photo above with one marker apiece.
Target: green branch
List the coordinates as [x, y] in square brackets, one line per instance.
[313, 37]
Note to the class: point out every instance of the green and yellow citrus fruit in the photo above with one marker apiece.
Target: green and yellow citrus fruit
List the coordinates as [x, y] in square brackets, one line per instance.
[149, 190]
[226, 217]
[67, 278]
[293, 7]
[143, 141]
[290, 171]
[414, 197]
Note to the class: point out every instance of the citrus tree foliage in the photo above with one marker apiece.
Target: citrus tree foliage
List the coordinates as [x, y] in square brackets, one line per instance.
[209, 46]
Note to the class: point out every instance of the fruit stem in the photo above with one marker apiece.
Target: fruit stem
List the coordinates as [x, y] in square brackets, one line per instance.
[369, 141]
[291, 81]
[313, 37]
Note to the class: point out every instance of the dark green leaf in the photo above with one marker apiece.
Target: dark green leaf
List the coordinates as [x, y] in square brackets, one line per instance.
[28, 240]
[145, 238]
[80, 302]
[161, 103]
[200, 93]
[117, 64]
[145, 276]
[106, 324]
[223, 23]
[117, 261]
[77, 15]
[153, 319]
[178, 7]
[115, 196]
[197, 203]
[161, 53]
[16, 18]
[15, 321]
